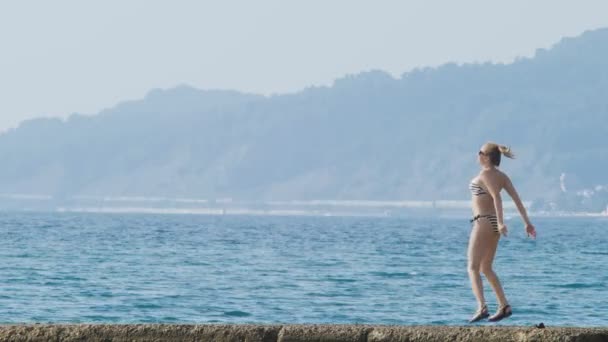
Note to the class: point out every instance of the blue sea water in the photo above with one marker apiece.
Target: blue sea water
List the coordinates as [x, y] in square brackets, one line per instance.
[127, 268]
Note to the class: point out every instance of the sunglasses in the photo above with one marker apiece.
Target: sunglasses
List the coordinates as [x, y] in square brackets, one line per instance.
[481, 153]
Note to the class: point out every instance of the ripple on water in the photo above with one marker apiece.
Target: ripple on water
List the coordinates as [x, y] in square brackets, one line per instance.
[341, 280]
[594, 253]
[578, 285]
[381, 274]
[237, 313]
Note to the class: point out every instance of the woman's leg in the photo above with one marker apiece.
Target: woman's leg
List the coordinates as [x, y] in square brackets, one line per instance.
[486, 268]
[476, 251]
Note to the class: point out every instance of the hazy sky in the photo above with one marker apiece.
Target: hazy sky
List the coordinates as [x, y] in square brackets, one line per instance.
[60, 57]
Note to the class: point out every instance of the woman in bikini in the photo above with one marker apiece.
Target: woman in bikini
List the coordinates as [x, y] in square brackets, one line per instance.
[488, 225]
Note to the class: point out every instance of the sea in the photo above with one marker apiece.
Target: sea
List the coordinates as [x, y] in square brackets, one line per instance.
[147, 268]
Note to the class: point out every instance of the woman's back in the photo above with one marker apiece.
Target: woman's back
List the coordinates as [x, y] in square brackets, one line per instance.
[482, 201]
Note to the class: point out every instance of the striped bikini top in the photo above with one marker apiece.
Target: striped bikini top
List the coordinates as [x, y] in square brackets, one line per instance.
[476, 189]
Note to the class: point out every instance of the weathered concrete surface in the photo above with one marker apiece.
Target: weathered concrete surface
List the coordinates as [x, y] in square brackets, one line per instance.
[498, 334]
[292, 333]
[139, 332]
[310, 332]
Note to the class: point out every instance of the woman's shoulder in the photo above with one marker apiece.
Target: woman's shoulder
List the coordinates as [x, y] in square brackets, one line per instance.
[502, 174]
[494, 176]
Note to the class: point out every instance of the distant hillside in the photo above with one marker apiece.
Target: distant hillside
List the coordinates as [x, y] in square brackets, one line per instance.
[368, 136]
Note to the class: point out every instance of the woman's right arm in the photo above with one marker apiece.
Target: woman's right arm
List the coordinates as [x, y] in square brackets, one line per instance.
[520, 206]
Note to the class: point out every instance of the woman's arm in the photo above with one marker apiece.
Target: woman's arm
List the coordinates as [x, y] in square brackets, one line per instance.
[515, 196]
[493, 185]
[520, 206]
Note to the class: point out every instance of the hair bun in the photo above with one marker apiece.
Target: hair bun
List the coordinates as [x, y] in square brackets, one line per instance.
[506, 151]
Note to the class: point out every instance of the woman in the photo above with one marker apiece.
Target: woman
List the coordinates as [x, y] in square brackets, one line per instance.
[488, 225]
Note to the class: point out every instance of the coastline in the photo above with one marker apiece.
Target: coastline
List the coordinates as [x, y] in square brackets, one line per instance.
[234, 207]
[327, 212]
[283, 333]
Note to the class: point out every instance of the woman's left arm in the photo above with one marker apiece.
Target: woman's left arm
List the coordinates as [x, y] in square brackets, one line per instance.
[520, 206]
[493, 185]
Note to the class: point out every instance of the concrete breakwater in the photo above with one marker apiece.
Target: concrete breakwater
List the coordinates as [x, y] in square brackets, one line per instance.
[294, 333]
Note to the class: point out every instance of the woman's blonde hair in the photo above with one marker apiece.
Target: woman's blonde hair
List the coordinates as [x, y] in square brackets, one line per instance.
[494, 151]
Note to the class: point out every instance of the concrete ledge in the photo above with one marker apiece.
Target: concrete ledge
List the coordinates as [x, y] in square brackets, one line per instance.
[342, 333]
[292, 333]
[139, 332]
[502, 334]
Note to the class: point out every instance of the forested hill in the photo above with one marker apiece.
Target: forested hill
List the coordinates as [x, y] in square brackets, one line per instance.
[368, 136]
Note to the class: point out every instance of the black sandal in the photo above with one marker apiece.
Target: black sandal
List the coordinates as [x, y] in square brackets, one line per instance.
[480, 314]
[503, 312]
